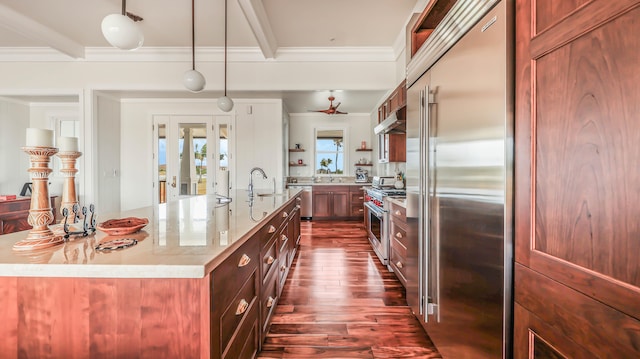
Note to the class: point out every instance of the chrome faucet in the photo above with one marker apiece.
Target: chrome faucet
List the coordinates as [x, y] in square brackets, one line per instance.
[254, 169]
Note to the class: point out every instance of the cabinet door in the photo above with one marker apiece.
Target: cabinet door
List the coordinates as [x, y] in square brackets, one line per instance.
[321, 204]
[341, 207]
[576, 235]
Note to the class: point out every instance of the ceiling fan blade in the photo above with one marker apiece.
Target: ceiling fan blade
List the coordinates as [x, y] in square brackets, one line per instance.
[336, 106]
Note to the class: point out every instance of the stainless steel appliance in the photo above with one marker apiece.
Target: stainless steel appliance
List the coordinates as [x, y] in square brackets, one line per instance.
[377, 219]
[459, 180]
[306, 204]
[383, 181]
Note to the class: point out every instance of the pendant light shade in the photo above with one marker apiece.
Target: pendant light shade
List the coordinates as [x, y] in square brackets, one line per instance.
[192, 79]
[121, 31]
[225, 103]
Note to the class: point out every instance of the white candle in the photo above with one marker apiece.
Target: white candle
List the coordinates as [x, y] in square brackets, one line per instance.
[68, 144]
[39, 137]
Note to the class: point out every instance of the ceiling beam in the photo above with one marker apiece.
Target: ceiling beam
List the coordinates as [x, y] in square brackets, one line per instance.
[257, 17]
[29, 28]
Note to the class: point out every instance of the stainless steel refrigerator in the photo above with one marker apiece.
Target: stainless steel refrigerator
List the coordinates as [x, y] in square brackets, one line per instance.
[459, 181]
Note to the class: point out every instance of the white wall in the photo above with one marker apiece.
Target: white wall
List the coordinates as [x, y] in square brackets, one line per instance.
[108, 154]
[14, 120]
[302, 130]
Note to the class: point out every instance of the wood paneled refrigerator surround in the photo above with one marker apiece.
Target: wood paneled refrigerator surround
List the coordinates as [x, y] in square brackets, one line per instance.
[577, 273]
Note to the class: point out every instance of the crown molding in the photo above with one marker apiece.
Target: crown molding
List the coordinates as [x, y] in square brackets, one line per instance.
[204, 54]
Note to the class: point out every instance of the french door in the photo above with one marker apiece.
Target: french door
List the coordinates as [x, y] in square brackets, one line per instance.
[191, 156]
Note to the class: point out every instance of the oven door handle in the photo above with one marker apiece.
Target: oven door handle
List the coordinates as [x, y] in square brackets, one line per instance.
[377, 211]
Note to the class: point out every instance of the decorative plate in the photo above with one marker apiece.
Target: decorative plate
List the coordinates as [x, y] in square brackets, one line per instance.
[114, 244]
[122, 226]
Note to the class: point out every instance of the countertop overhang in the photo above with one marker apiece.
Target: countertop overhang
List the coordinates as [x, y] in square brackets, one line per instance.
[185, 238]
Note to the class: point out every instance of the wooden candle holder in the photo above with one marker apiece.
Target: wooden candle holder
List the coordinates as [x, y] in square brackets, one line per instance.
[69, 170]
[40, 211]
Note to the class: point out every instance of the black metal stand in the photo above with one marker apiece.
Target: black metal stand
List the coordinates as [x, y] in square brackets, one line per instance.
[89, 221]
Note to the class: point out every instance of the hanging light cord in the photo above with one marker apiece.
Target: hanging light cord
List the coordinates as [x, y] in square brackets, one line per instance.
[193, 35]
[225, 47]
[124, 7]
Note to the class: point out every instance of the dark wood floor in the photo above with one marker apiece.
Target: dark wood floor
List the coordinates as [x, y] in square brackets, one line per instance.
[340, 302]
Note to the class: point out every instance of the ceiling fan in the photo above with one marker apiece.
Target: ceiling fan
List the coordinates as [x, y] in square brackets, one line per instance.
[332, 110]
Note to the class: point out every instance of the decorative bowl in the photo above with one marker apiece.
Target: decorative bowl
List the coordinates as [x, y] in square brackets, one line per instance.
[118, 227]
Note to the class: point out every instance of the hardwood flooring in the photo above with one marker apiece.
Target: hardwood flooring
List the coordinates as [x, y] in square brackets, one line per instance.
[339, 301]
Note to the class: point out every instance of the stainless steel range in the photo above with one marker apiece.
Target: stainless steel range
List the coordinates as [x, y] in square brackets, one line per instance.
[377, 216]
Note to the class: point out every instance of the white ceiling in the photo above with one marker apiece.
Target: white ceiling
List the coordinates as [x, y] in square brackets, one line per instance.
[70, 26]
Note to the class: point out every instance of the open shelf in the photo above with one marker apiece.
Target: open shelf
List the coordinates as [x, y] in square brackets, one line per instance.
[364, 149]
[297, 165]
[363, 164]
[296, 150]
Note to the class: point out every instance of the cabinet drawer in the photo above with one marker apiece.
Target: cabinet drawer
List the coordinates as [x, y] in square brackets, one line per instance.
[268, 301]
[239, 313]
[245, 341]
[398, 232]
[357, 197]
[239, 266]
[357, 210]
[269, 259]
[398, 261]
[398, 212]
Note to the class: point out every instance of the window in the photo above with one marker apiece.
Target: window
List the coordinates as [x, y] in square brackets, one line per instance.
[329, 152]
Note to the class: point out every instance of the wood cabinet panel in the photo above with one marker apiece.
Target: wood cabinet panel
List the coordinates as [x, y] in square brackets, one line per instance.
[108, 318]
[550, 11]
[577, 202]
[332, 202]
[321, 204]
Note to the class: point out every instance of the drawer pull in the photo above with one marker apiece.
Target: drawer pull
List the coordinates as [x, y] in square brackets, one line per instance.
[398, 235]
[399, 265]
[361, 198]
[272, 229]
[298, 206]
[283, 268]
[242, 307]
[270, 260]
[283, 237]
[270, 301]
[244, 260]
[285, 214]
[398, 212]
[361, 210]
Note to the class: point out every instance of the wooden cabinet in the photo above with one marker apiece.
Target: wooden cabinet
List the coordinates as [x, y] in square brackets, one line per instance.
[234, 319]
[331, 202]
[577, 253]
[392, 146]
[357, 201]
[404, 247]
[14, 214]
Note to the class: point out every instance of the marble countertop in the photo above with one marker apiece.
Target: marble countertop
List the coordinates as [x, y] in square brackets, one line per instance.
[186, 238]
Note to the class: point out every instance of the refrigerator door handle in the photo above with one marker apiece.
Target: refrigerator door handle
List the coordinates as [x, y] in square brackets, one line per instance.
[431, 205]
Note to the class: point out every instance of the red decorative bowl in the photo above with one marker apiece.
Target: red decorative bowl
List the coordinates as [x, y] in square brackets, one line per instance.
[118, 227]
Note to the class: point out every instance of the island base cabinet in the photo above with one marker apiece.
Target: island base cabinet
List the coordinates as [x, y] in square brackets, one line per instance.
[104, 317]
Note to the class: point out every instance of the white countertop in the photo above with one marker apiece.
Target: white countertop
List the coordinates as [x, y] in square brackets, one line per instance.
[185, 238]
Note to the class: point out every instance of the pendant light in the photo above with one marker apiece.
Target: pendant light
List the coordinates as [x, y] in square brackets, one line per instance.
[121, 30]
[193, 80]
[225, 103]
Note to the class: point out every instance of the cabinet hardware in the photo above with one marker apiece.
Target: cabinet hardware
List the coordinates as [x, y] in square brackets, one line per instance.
[399, 264]
[242, 307]
[244, 260]
[285, 214]
[283, 237]
[398, 212]
[173, 183]
[272, 229]
[270, 260]
[283, 268]
[361, 210]
[270, 301]
[398, 235]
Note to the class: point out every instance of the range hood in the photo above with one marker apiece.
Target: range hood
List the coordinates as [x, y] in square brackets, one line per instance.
[394, 123]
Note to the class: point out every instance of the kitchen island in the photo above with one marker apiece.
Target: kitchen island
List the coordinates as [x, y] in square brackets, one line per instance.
[190, 288]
